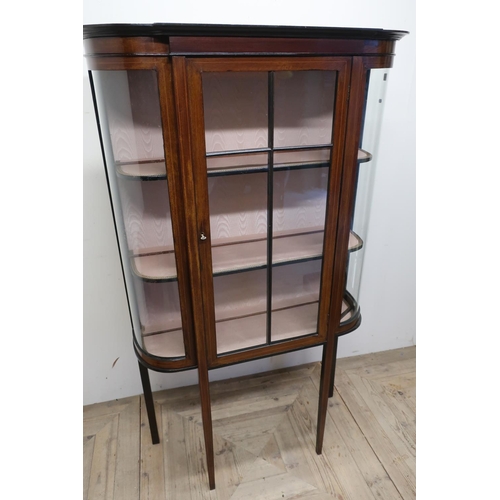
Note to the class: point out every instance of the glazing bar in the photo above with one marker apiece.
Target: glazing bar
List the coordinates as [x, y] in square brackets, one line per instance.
[270, 180]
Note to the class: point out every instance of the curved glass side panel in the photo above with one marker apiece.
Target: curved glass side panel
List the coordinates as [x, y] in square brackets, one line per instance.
[130, 122]
[367, 158]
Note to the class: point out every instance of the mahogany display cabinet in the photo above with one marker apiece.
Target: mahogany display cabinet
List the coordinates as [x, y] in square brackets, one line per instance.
[239, 162]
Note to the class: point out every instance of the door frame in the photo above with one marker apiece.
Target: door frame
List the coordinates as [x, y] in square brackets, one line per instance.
[189, 78]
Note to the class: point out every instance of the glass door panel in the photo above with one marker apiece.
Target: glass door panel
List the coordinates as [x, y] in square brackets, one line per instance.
[236, 121]
[304, 111]
[238, 222]
[295, 299]
[240, 310]
[131, 127]
[303, 107]
[238, 228]
[268, 139]
[299, 208]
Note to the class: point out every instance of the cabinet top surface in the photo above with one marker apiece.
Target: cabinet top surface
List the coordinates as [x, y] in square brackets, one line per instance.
[164, 29]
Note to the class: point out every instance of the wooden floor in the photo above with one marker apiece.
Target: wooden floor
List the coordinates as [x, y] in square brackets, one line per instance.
[264, 438]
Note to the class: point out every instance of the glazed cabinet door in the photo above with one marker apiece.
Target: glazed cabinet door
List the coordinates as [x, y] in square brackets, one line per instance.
[137, 128]
[267, 146]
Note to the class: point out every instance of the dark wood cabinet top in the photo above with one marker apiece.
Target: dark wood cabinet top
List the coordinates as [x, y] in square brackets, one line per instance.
[220, 30]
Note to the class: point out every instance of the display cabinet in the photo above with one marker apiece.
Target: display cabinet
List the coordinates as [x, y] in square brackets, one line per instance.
[239, 162]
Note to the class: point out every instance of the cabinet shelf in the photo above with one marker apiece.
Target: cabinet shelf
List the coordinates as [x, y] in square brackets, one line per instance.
[256, 169]
[233, 255]
[158, 265]
[355, 242]
[349, 307]
[155, 169]
[144, 170]
[257, 160]
[364, 156]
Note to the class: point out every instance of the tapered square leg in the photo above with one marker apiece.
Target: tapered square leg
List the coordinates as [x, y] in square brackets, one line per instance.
[334, 366]
[206, 415]
[329, 354]
[150, 407]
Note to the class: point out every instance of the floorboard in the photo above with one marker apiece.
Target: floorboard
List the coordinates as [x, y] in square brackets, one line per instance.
[264, 438]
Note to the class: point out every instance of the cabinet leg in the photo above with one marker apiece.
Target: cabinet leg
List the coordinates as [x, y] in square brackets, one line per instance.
[206, 415]
[150, 406]
[334, 365]
[329, 354]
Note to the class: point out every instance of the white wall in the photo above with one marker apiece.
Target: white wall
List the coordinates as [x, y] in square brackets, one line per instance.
[388, 288]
